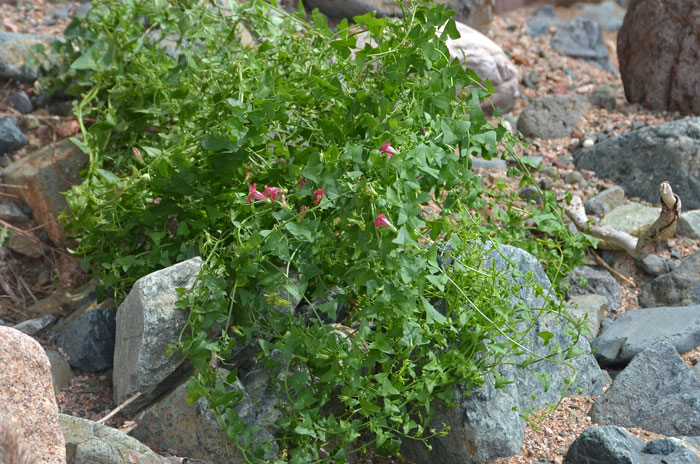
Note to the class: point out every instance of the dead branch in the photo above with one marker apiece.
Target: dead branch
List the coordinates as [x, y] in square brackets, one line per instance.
[637, 248]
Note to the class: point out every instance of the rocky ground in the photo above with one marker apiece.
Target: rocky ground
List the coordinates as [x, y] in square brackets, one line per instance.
[543, 71]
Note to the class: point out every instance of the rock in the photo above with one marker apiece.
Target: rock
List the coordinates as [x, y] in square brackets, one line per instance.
[603, 96]
[24, 246]
[13, 212]
[689, 224]
[598, 282]
[11, 137]
[27, 397]
[582, 38]
[88, 442]
[487, 425]
[29, 123]
[483, 56]
[641, 159]
[552, 116]
[34, 326]
[87, 336]
[475, 13]
[21, 102]
[675, 447]
[489, 165]
[147, 323]
[590, 307]
[657, 392]
[190, 429]
[680, 287]
[541, 20]
[605, 201]
[61, 373]
[64, 301]
[14, 49]
[608, 444]
[574, 177]
[634, 331]
[632, 218]
[655, 265]
[46, 174]
[654, 36]
[608, 14]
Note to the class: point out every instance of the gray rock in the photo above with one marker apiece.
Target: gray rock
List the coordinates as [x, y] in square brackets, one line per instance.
[34, 326]
[609, 444]
[87, 337]
[11, 136]
[25, 246]
[696, 370]
[656, 392]
[61, 373]
[13, 212]
[21, 102]
[634, 331]
[689, 224]
[574, 177]
[14, 49]
[582, 38]
[603, 96]
[640, 160]
[676, 450]
[590, 307]
[487, 425]
[552, 116]
[598, 282]
[496, 163]
[475, 13]
[45, 174]
[88, 442]
[190, 429]
[64, 301]
[147, 323]
[608, 14]
[605, 201]
[541, 20]
[656, 266]
[632, 218]
[680, 287]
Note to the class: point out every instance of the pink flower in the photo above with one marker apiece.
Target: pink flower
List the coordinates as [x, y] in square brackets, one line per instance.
[388, 149]
[318, 194]
[302, 182]
[302, 209]
[382, 221]
[272, 192]
[254, 194]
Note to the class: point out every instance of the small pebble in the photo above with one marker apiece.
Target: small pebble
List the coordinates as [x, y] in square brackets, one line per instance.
[574, 177]
[29, 123]
[588, 143]
[550, 171]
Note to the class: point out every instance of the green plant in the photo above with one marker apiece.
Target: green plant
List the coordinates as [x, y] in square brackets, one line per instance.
[365, 160]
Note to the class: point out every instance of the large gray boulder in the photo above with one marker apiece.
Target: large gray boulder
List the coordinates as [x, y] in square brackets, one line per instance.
[656, 392]
[191, 429]
[147, 323]
[88, 442]
[487, 424]
[641, 159]
[634, 331]
[681, 287]
[657, 49]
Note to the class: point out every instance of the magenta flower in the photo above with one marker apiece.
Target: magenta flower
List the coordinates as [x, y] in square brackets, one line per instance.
[253, 193]
[302, 182]
[388, 149]
[318, 194]
[382, 221]
[272, 192]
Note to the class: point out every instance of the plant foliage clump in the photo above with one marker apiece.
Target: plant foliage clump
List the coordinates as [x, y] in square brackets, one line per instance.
[324, 185]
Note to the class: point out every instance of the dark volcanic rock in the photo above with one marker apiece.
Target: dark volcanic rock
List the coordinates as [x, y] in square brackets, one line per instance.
[641, 159]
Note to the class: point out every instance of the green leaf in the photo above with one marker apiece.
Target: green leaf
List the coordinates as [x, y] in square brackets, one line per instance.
[431, 314]
[546, 336]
